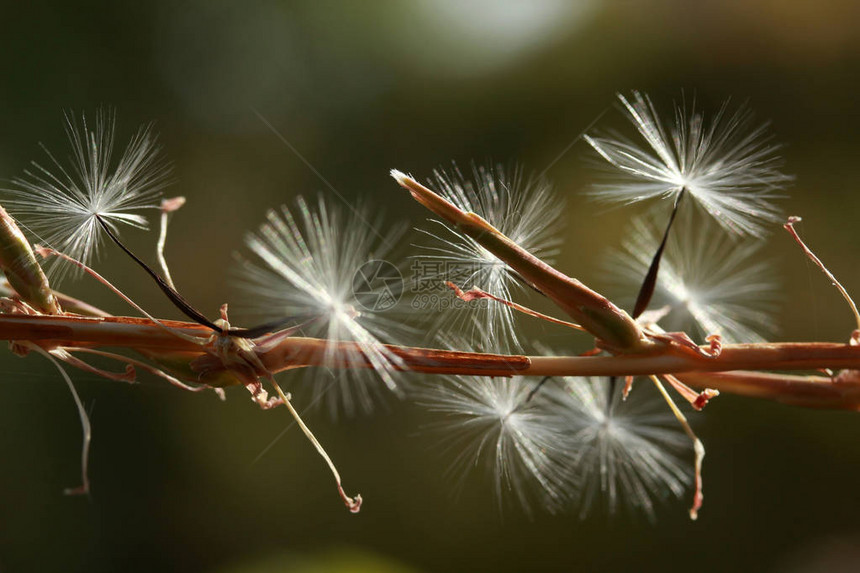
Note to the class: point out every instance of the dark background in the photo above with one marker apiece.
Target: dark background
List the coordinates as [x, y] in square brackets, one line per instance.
[358, 88]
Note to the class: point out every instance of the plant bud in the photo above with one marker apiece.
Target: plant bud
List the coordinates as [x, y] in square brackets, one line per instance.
[23, 272]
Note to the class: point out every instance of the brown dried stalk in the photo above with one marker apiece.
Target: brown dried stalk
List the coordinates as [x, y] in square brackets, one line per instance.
[734, 371]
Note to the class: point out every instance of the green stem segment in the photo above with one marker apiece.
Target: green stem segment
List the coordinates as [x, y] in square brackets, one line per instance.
[21, 268]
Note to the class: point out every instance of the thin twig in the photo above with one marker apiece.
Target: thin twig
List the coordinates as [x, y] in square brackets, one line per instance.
[789, 226]
[149, 368]
[353, 504]
[698, 448]
[167, 206]
[86, 428]
[475, 293]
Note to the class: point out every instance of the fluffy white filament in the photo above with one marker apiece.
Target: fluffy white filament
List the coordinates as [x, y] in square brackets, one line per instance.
[575, 443]
[60, 203]
[628, 452]
[523, 209]
[522, 445]
[707, 281]
[728, 165]
[306, 267]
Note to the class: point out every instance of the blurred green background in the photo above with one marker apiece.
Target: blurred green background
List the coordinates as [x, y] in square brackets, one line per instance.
[358, 88]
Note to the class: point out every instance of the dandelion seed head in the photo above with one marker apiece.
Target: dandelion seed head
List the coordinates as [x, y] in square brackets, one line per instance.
[575, 443]
[521, 443]
[304, 265]
[628, 453]
[708, 281]
[522, 208]
[61, 203]
[729, 166]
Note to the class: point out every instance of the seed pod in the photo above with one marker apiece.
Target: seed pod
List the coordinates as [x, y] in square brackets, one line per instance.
[23, 272]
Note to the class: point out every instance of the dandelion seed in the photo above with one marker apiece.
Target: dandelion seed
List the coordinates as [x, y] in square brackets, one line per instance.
[63, 204]
[627, 451]
[522, 442]
[707, 281]
[729, 166]
[523, 209]
[308, 264]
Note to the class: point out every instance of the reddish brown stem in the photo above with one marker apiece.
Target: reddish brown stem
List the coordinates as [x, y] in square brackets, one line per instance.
[295, 352]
